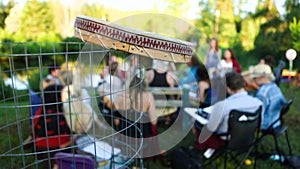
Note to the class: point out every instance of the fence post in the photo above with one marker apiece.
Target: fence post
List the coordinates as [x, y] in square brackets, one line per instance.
[185, 103]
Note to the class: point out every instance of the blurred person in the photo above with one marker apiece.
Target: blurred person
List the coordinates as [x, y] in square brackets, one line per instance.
[111, 85]
[130, 103]
[250, 84]
[77, 103]
[134, 63]
[53, 76]
[50, 129]
[108, 62]
[135, 115]
[269, 93]
[218, 118]
[159, 76]
[204, 92]
[268, 60]
[192, 72]
[229, 63]
[213, 57]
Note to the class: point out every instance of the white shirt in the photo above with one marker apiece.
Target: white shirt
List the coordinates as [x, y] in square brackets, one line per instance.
[218, 119]
[111, 87]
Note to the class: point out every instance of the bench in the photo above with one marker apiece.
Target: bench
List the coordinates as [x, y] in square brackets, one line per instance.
[180, 99]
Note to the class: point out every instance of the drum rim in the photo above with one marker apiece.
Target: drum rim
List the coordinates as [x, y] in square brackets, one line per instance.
[93, 25]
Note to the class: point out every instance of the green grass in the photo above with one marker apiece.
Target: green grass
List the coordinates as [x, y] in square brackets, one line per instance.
[14, 128]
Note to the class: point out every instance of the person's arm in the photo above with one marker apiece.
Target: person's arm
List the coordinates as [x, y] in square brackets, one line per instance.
[150, 76]
[152, 109]
[219, 53]
[171, 79]
[203, 85]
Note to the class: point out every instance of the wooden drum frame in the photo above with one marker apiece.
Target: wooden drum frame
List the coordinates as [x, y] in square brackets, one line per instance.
[113, 36]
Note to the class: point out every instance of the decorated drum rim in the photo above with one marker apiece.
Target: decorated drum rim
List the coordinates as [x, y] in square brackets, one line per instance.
[133, 36]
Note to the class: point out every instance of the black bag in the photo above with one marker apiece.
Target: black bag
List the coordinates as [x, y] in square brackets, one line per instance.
[183, 158]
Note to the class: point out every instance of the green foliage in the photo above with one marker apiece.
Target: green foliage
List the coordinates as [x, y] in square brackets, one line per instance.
[35, 79]
[4, 12]
[94, 10]
[37, 21]
[205, 24]
[176, 7]
[47, 50]
[295, 33]
[6, 91]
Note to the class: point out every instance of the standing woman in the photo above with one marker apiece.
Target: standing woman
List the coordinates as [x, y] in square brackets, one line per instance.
[213, 56]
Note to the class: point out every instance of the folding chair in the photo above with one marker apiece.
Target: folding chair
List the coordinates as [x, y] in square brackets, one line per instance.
[242, 136]
[279, 130]
[74, 161]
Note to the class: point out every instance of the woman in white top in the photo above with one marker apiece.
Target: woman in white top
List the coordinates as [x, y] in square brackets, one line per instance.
[229, 63]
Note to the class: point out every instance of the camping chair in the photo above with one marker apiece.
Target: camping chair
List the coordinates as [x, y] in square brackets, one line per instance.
[74, 161]
[278, 131]
[242, 136]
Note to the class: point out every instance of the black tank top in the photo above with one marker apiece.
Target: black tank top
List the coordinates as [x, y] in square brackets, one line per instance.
[159, 80]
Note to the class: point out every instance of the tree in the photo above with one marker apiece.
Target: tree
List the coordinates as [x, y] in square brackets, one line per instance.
[176, 7]
[205, 22]
[37, 21]
[13, 20]
[4, 12]
[94, 10]
[295, 33]
[270, 39]
[64, 15]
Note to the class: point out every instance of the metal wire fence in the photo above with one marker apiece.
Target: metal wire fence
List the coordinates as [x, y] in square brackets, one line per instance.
[25, 107]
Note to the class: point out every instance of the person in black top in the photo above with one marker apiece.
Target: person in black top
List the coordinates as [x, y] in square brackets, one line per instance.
[159, 76]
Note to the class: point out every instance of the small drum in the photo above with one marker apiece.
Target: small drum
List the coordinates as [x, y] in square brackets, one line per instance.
[113, 36]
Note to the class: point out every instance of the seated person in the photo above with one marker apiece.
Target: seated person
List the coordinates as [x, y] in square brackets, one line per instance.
[250, 84]
[269, 93]
[112, 84]
[160, 76]
[229, 63]
[218, 119]
[77, 104]
[134, 111]
[54, 75]
[50, 129]
[191, 77]
[128, 107]
[203, 96]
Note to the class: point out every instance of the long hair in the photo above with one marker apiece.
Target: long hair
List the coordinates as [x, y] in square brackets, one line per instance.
[231, 53]
[202, 73]
[194, 61]
[136, 87]
[217, 46]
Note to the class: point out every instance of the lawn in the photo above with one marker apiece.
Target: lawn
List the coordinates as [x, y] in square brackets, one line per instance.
[14, 124]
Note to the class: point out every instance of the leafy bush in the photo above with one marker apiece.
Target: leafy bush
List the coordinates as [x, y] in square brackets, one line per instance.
[35, 79]
[6, 91]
